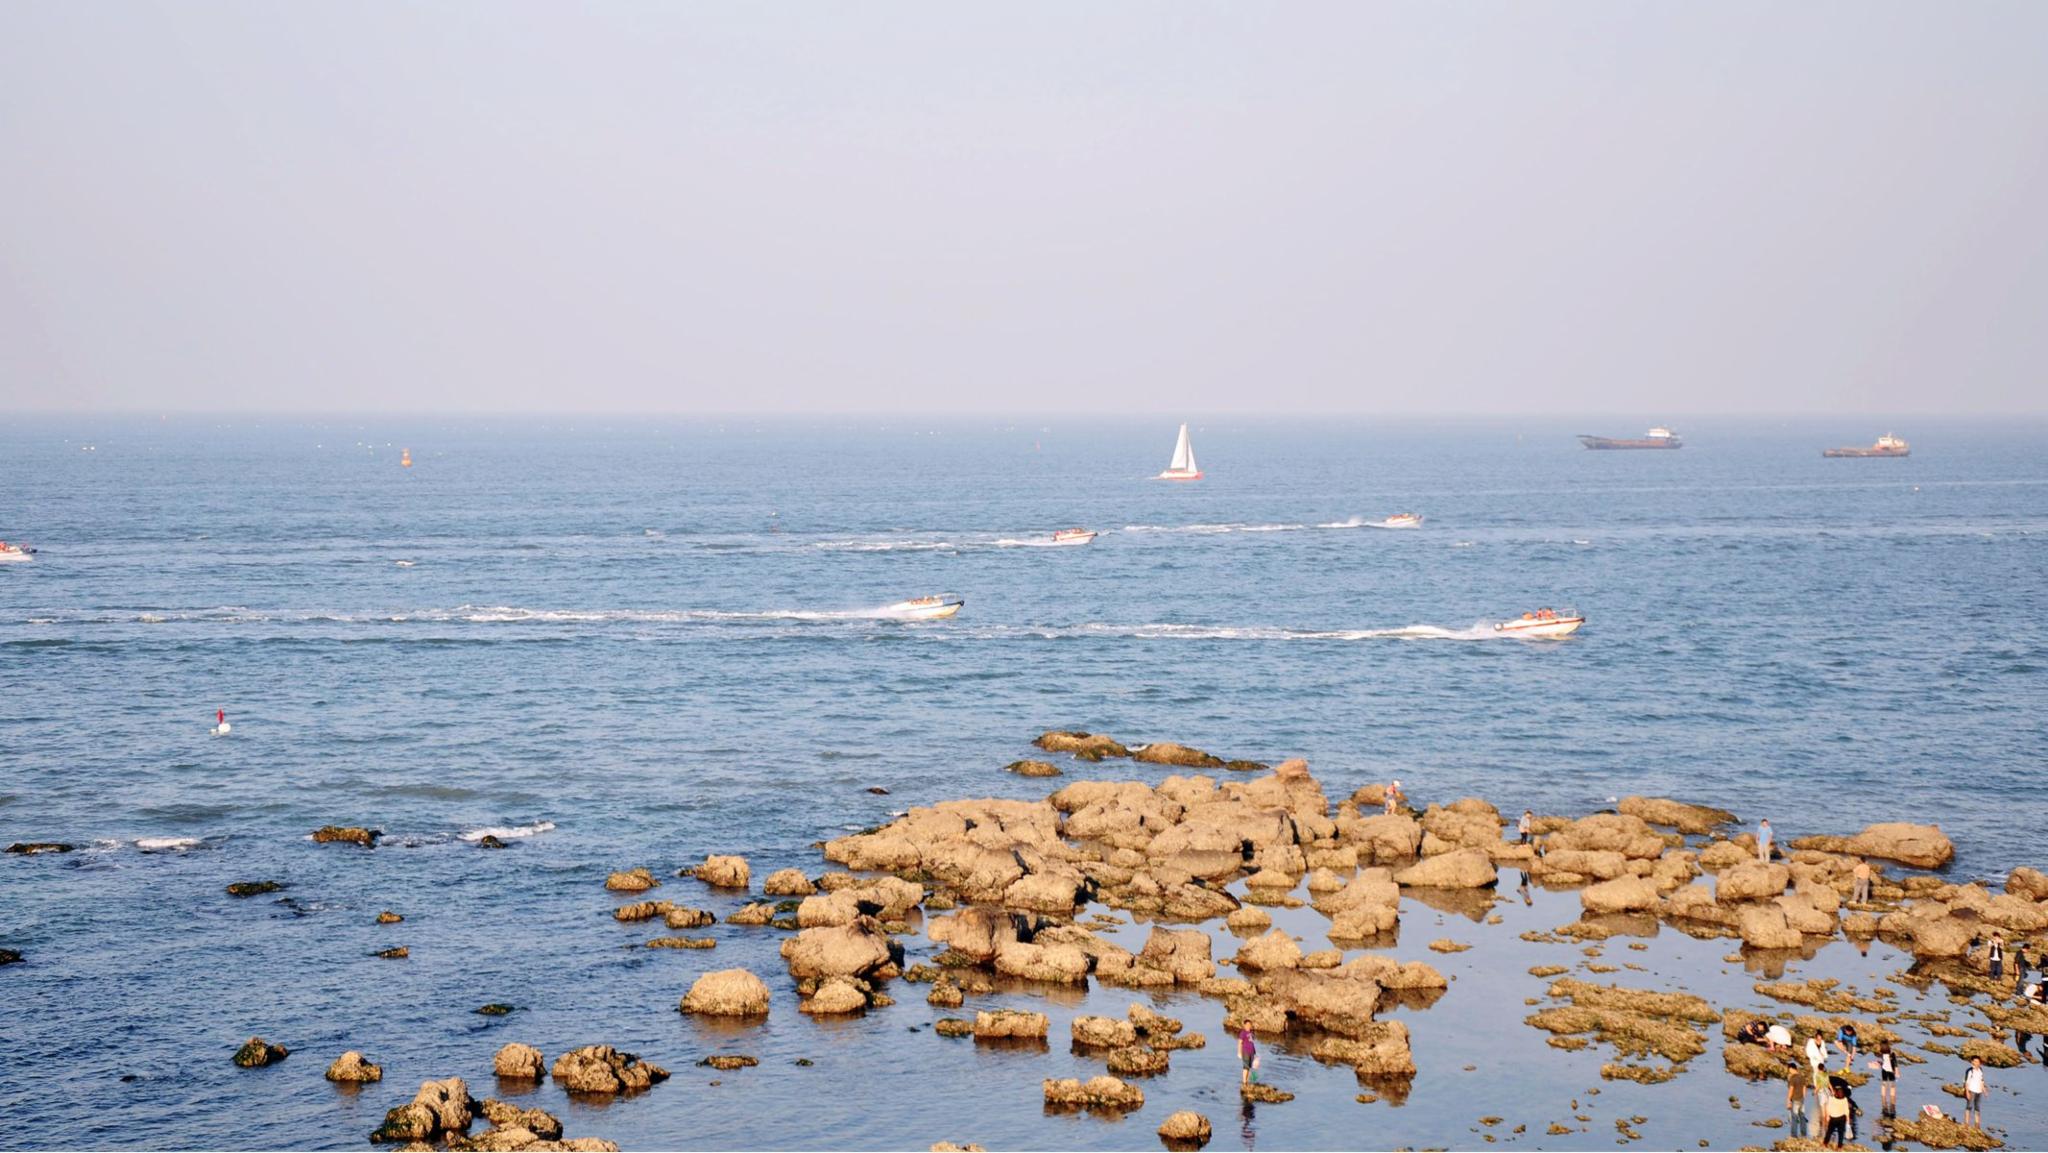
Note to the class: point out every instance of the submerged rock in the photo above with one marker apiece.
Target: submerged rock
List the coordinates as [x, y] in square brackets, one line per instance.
[387, 917]
[10, 957]
[1697, 820]
[727, 1062]
[1168, 753]
[603, 1069]
[727, 993]
[256, 1053]
[517, 1062]
[351, 1068]
[495, 1009]
[1032, 768]
[1084, 746]
[682, 943]
[1266, 1094]
[33, 847]
[490, 841]
[347, 834]
[253, 888]
[1381, 1051]
[1137, 1061]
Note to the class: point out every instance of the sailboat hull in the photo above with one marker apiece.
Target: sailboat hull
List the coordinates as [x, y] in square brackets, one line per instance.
[1179, 474]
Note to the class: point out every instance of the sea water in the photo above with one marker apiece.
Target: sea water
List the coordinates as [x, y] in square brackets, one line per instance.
[616, 642]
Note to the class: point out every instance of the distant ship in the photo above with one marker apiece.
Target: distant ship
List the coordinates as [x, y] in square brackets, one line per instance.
[1887, 445]
[1183, 466]
[1657, 438]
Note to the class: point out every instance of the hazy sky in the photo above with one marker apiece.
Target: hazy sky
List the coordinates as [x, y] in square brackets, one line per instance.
[1640, 208]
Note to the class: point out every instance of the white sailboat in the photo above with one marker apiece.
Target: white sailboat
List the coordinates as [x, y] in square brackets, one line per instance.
[1183, 466]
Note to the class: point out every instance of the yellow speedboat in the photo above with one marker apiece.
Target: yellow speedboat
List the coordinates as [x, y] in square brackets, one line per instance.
[926, 608]
[1543, 624]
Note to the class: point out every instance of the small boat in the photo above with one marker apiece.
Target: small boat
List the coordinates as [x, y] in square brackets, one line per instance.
[1073, 536]
[405, 458]
[1183, 466]
[926, 608]
[1659, 437]
[1887, 445]
[1542, 624]
[1403, 520]
[15, 554]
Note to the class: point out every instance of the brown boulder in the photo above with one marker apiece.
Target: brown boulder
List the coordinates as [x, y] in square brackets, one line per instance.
[836, 995]
[726, 872]
[631, 881]
[517, 1062]
[1621, 895]
[1011, 1023]
[351, 1068]
[2027, 884]
[1107, 1093]
[857, 949]
[1184, 953]
[1184, 1129]
[1751, 882]
[1032, 768]
[1058, 963]
[1168, 753]
[1275, 950]
[975, 932]
[1381, 1051]
[347, 835]
[1921, 846]
[1697, 820]
[1458, 869]
[725, 993]
[787, 883]
[603, 1069]
[543, 1125]
[1765, 927]
[1104, 1033]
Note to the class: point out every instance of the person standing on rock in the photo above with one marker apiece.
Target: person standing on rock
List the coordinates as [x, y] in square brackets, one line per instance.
[1973, 1094]
[1996, 953]
[1835, 1107]
[1887, 1079]
[1763, 840]
[1527, 825]
[1797, 1082]
[1393, 798]
[1817, 1063]
[1861, 895]
[1247, 1054]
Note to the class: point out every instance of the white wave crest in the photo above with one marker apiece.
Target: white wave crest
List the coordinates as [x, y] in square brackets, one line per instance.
[166, 844]
[506, 832]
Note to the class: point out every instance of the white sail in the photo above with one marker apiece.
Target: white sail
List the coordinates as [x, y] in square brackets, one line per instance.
[1183, 453]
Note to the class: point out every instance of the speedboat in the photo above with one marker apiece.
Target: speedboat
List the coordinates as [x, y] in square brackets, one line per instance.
[926, 608]
[1403, 520]
[1542, 624]
[15, 554]
[1073, 536]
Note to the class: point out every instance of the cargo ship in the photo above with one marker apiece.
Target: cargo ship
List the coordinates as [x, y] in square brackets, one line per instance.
[1656, 438]
[1887, 445]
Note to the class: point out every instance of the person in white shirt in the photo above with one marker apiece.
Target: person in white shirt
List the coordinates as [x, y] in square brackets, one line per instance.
[1973, 1094]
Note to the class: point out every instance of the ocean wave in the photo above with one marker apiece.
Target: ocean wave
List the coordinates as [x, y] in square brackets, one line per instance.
[167, 844]
[506, 832]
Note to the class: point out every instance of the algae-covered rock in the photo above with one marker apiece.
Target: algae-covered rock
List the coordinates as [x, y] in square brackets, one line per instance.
[346, 834]
[1083, 746]
[256, 1053]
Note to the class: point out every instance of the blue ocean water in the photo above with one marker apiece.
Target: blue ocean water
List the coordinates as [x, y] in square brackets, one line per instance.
[623, 642]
